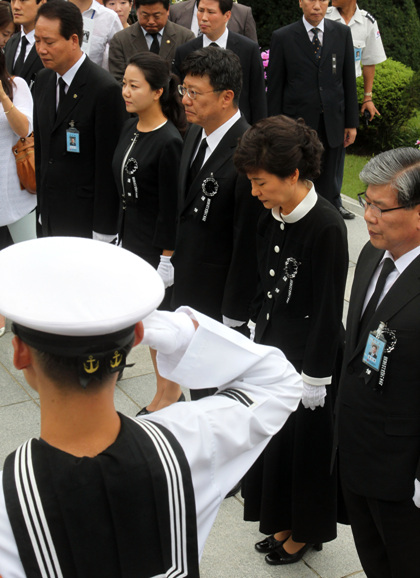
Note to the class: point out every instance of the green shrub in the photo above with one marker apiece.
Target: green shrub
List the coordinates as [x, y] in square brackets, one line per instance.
[395, 94]
[399, 24]
[272, 14]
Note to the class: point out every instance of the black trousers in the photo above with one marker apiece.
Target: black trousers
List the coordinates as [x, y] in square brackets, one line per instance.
[386, 534]
[329, 183]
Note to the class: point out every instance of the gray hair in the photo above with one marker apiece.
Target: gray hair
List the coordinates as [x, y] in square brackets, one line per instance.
[399, 168]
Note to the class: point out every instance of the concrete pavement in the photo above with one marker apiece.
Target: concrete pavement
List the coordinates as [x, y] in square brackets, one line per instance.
[229, 551]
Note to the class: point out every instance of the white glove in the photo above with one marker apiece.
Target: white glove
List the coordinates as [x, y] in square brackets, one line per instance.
[416, 497]
[232, 322]
[251, 327]
[166, 270]
[105, 238]
[313, 395]
[166, 332]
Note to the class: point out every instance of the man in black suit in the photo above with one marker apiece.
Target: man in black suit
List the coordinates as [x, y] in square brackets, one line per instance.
[213, 16]
[215, 250]
[311, 75]
[241, 20]
[21, 56]
[378, 407]
[153, 32]
[78, 114]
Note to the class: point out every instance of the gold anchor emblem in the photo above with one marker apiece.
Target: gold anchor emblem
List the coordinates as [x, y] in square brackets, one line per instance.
[91, 365]
[116, 360]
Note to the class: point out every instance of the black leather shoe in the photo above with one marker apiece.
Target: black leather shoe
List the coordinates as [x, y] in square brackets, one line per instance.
[234, 490]
[345, 213]
[280, 556]
[268, 544]
[143, 411]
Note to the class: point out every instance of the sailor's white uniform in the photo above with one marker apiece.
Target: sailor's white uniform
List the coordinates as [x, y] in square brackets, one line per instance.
[221, 435]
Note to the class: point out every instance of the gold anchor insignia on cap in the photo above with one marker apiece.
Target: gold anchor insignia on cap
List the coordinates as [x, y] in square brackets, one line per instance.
[116, 359]
[91, 364]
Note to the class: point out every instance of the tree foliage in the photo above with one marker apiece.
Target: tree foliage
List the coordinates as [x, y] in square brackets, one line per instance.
[398, 21]
[396, 96]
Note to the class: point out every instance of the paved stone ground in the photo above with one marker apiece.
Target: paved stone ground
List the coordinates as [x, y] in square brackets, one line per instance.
[229, 551]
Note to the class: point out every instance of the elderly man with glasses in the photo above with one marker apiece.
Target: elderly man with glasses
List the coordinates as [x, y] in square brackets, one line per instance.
[378, 409]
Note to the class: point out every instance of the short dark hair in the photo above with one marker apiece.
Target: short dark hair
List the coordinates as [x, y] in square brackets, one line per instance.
[69, 15]
[399, 168]
[139, 3]
[279, 145]
[223, 68]
[224, 5]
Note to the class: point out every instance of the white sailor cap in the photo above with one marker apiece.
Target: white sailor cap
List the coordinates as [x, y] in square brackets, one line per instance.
[74, 296]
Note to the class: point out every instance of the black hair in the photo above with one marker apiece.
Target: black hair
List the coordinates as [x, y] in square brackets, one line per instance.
[224, 5]
[5, 77]
[6, 15]
[139, 3]
[223, 68]
[158, 74]
[69, 15]
[279, 145]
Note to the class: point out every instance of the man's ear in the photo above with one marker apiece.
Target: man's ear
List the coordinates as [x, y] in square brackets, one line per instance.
[138, 333]
[22, 356]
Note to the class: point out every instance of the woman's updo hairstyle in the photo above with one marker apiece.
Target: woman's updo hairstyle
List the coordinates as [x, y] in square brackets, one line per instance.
[279, 145]
[157, 73]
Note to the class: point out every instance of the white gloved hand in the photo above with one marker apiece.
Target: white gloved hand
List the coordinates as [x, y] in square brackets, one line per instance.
[166, 332]
[166, 270]
[251, 327]
[105, 238]
[232, 322]
[416, 497]
[313, 395]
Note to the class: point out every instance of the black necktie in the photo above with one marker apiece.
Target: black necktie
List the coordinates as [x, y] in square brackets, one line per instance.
[20, 60]
[387, 267]
[316, 44]
[154, 47]
[214, 44]
[197, 162]
[62, 92]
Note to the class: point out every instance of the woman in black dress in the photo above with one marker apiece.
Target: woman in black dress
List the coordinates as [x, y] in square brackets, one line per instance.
[145, 165]
[303, 260]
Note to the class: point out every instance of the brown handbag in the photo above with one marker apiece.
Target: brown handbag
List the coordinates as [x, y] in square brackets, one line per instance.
[25, 162]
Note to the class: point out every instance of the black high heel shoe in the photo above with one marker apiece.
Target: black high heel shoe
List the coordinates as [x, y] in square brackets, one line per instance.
[280, 556]
[268, 544]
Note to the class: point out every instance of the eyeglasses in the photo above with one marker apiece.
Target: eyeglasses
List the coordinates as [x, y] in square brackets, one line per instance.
[191, 93]
[376, 211]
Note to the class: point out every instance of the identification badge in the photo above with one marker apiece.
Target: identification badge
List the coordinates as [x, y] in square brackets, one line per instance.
[72, 139]
[357, 54]
[87, 34]
[374, 351]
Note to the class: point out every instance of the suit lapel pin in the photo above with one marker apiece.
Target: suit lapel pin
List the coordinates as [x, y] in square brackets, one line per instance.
[74, 95]
[168, 42]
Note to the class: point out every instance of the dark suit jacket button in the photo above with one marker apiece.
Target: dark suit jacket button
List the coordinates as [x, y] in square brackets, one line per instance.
[350, 369]
[51, 161]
